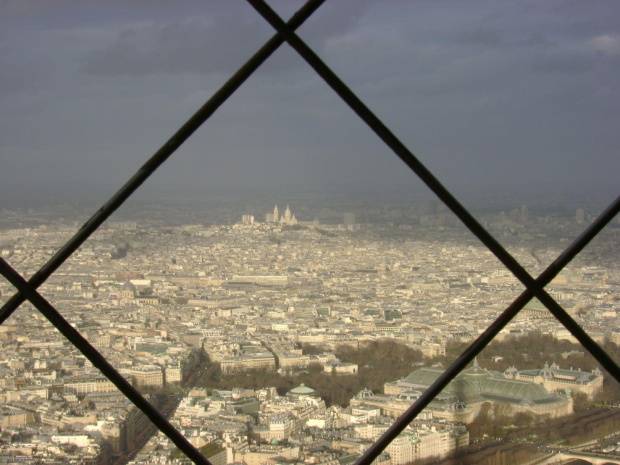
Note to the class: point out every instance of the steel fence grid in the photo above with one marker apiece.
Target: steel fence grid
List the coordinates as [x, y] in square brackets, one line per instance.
[285, 32]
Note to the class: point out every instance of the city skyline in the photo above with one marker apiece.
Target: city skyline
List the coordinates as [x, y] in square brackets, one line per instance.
[313, 312]
[512, 104]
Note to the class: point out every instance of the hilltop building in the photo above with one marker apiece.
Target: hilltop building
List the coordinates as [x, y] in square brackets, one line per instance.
[286, 219]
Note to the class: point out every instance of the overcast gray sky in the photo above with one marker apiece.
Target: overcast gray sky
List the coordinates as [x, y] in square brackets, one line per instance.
[479, 91]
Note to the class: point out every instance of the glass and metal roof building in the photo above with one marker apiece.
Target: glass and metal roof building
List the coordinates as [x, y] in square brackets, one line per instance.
[477, 385]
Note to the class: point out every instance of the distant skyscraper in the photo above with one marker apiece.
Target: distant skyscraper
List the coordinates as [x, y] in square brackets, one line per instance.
[524, 213]
[349, 222]
[580, 216]
[432, 207]
[349, 219]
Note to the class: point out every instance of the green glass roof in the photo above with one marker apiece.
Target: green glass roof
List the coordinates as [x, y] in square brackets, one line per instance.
[476, 384]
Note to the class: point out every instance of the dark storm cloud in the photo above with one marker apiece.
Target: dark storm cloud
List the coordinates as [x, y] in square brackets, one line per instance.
[17, 80]
[220, 42]
[180, 47]
[536, 39]
[480, 91]
[487, 37]
[564, 63]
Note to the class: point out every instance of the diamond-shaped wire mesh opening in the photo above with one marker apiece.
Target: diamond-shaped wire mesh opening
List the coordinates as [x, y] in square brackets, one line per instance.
[534, 287]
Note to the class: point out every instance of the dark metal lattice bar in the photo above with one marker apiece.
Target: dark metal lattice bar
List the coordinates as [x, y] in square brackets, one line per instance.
[489, 334]
[432, 182]
[533, 287]
[99, 361]
[171, 145]
[27, 290]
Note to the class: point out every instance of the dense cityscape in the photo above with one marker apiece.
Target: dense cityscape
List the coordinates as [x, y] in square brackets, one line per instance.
[183, 304]
[266, 244]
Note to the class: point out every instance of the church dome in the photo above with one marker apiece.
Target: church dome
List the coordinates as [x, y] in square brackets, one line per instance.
[364, 394]
[128, 286]
[302, 390]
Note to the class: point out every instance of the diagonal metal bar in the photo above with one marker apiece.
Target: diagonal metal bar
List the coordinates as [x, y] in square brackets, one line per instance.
[100, 362]
[533, 287]
[554, 268]
[487, 336]
[428, 178]
[390, 139]
[160, 157]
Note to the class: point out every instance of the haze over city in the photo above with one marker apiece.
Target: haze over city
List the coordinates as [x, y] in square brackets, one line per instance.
[283, 290]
